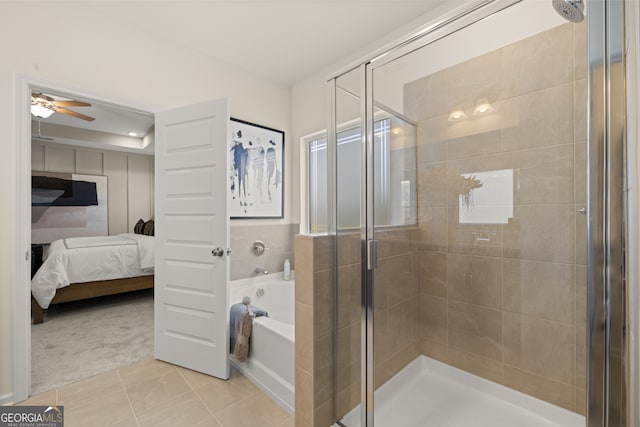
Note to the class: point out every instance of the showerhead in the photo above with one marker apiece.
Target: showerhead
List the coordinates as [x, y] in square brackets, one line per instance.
[571, 10]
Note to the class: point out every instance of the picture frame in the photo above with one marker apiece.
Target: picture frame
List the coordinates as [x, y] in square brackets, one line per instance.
[255, 188]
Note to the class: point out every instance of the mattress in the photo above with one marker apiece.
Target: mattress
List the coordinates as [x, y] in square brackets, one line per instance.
[89, 259]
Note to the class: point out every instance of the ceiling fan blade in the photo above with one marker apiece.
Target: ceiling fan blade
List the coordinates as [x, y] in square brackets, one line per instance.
[71, 104]
[74, 114]
[42, 96]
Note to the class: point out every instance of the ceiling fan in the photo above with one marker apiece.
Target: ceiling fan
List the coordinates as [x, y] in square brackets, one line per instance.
[43, 106]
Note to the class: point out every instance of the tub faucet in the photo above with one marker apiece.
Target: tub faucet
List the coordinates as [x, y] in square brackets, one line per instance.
[260, 270]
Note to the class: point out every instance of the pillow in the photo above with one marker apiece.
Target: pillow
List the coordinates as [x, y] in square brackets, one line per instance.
[139, 227]
[148, 228]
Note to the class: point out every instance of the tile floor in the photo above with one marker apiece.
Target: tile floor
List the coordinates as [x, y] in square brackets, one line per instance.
[154, 393]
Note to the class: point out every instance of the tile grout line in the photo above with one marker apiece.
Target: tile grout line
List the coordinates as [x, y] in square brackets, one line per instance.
[128, 399]
[198, 396]
[247, 396]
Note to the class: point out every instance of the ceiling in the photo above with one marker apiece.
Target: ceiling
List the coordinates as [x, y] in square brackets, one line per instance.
[282, 41]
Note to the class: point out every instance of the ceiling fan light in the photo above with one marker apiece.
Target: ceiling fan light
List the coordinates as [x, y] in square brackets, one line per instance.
[41, 111]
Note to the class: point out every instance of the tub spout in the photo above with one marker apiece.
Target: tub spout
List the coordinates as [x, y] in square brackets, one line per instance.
[260, 270]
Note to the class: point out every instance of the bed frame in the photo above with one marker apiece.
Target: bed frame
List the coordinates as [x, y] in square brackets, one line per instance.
[81, 291]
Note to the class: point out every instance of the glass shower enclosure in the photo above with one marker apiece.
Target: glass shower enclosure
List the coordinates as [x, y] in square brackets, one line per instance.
[469, 236]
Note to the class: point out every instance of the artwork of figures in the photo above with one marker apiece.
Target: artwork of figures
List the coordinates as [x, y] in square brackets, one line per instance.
[256, 171]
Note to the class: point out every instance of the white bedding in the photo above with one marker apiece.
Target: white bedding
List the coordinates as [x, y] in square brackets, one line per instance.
[87, 259]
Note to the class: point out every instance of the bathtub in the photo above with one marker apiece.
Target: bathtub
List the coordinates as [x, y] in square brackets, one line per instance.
[270, 365]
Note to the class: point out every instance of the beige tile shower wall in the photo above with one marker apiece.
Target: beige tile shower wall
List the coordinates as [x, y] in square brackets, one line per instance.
[349, 315]
[396, 303]
[507, 301]
[397, 320]
[314, 398]
[130, 178]
[396, 313]
[278, 238]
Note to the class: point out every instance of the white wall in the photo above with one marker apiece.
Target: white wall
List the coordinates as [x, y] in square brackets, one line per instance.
[130, 178]
[116, 61]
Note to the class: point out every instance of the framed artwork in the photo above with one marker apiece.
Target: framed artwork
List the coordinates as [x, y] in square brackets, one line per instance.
[68, 205]
[256, 171]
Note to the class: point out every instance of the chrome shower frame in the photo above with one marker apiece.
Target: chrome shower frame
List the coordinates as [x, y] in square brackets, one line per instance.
[607, 353]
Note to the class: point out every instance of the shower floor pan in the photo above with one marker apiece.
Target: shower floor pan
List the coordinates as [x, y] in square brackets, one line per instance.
[428, 393]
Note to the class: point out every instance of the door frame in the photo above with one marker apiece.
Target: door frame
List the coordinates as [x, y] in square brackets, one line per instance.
[21, 314]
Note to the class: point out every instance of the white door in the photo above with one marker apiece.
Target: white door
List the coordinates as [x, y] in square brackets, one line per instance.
[192, 266]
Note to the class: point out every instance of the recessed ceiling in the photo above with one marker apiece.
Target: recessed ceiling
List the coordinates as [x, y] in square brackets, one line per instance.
[109, 119]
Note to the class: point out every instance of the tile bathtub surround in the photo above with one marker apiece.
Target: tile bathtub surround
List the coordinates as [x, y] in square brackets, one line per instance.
[152, 393]
[314, 331]
[278, 238]
[506, 300]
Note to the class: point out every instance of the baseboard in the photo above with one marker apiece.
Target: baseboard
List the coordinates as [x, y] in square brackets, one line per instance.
[6, 399]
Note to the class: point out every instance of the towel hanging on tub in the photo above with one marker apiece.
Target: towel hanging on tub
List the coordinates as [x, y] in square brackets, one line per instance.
[241, 325]
[244, 326]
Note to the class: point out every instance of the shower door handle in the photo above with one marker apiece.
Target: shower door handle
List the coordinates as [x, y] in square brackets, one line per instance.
[372, 254]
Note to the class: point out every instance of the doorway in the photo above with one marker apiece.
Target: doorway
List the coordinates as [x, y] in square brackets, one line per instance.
[22, 294]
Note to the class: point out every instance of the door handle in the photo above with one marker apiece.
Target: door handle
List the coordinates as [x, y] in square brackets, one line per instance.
[217, 252]
[372, 254]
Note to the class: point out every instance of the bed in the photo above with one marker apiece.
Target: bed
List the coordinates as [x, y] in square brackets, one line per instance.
[87, 267]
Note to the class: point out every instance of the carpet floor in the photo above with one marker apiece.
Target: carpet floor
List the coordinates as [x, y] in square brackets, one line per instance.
[85, 338]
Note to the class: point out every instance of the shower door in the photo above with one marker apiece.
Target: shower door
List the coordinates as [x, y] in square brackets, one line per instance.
[482, 255]
[494, 288]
